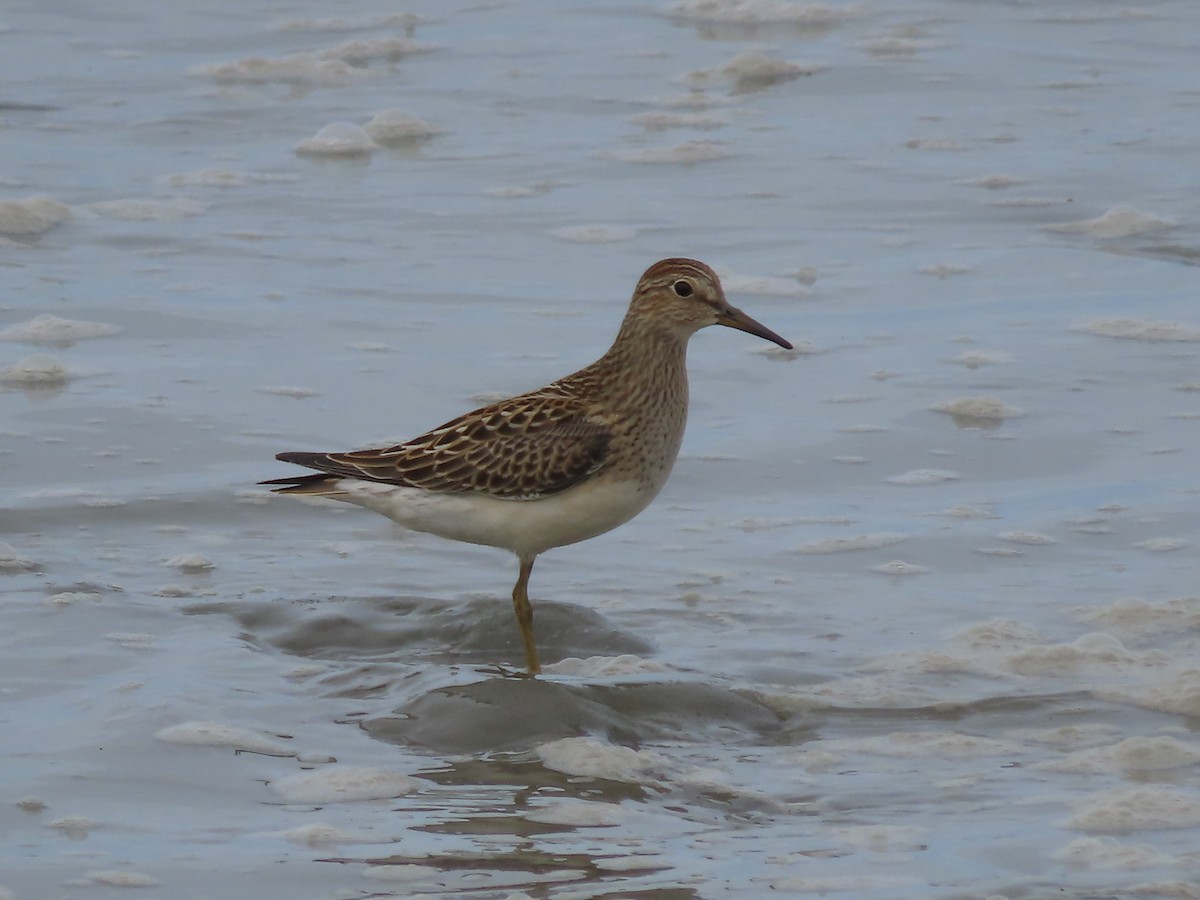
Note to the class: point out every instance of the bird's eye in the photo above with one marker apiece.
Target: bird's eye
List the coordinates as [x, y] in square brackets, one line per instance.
[682, 289]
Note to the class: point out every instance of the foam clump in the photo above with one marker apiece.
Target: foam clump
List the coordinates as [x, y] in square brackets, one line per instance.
[320, 834]
[595, 759]
[190, 562]
[1144, 617]
[1029, 538]
[1135, 754]
[1117, 222]
[50, 329]
[1138, 809]
[1140, 330]
[758, 12]
[358, 23]
[338, 784]
[296, 392]
[122, 878]
[218, 734]
[579, 813]
[338, 139]
[1097, 651]
[924, 476]
[333, 66]
[294, 68]
[359, 53]
[595, 234]
[392, 126]
[664, 121]
[763, 285]
[1107, 853]
[32, 216]
[12, 561]
[855, 542]
[686, 154]
[37, 370]
[899, 567]
[973, 359]
[754, 71]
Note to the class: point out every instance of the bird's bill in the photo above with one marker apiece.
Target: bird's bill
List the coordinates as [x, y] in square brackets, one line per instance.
[735, 318]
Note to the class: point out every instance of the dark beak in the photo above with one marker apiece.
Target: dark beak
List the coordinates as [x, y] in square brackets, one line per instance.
[735, 318]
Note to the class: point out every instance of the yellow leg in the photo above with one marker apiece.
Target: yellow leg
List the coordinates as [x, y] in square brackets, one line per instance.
[524, 613]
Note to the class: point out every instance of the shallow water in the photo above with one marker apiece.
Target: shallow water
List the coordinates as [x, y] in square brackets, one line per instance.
[916, 615]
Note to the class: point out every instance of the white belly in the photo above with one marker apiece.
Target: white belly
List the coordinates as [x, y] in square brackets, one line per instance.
[526, 527]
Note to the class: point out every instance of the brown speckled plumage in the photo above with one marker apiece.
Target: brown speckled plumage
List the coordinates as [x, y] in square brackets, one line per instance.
[571, 460]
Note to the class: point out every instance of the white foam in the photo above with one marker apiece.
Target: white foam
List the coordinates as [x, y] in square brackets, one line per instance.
[754, 70]
[924, 476]
[219, 734]
[12, 561]
[757, 12]
[1091, 652]
[122, 878]
[1118, 222]
[50, 329]
[579, 813]
[973, 359]
[604, 666]
[983, 408]
[31, 216]
[190, 562]
[1140, 330]
[153, 210]
[995, 183]
[353, 23]
[945, 270]
[664, 121]
[595, 759]
[852, 543]
[596, 234]
[1107, 853]
[394, 126]
[338, 139]
[762, 285]
[1138, 809]
[899, 567]
[75, 827]
[1162, 544]
[295, 69]
[965, 511]
[339, 784]
[68, 598]
[359, 53]
[1135, 754]
[1029, 538]
[320, 834]
[1141, 618]
[37, 370]
[685, 154]
[1174, 692]
[299, 393]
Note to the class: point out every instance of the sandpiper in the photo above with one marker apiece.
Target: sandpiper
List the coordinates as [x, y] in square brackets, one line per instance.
[554, 466]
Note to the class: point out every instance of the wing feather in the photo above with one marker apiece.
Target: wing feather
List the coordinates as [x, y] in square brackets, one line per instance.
[527, 447]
